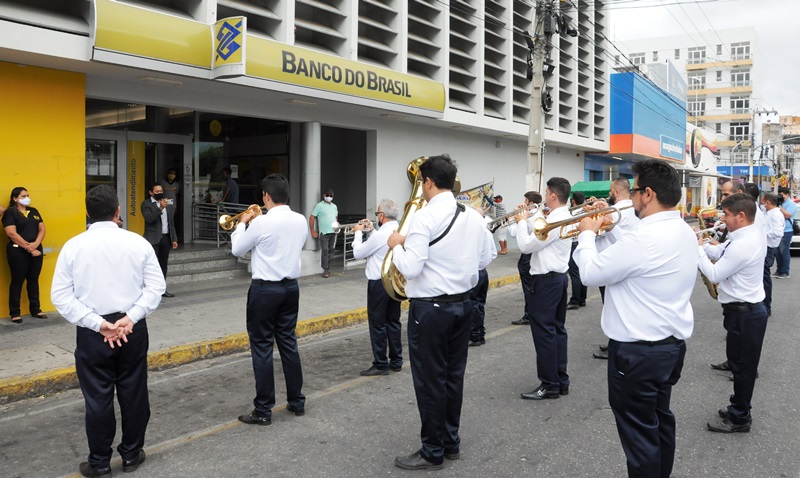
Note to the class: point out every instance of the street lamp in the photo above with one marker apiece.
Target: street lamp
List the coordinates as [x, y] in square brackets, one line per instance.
[696, 93]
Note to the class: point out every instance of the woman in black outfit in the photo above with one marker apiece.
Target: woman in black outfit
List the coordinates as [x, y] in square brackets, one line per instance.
[25, 230]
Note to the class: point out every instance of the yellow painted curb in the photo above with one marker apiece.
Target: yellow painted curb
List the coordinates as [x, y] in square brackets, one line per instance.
[41, 383]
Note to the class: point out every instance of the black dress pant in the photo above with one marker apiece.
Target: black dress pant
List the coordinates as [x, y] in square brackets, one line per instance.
[438, 337]
[101, 370]
[24, 268]
[640, 380]
[162, 252]
[524, 268]
[769, 261]
[383, 315]
[548, 319]
[478, 296]
[746, 326]
[579, 290]
[272, 317]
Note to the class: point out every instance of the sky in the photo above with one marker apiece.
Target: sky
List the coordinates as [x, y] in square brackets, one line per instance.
[775, 22]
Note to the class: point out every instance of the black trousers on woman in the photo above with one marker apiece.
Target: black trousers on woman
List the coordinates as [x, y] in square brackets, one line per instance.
[24, 267]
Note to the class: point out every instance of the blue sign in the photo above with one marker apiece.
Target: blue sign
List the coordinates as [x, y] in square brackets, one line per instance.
[672, 148]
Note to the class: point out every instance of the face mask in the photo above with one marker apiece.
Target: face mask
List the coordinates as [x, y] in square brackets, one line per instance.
[25, 201]
[328, 198]
[158, 196]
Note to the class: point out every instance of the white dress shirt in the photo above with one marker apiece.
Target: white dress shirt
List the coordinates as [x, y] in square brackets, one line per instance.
[513, 226]
[550, 255]
[739, 269]
[451, 265]
[626, 221]
[276, 239]
[106, 270]
[649, 276]
[761, 220]
[164, 220]
[775, 224]
[374, 249]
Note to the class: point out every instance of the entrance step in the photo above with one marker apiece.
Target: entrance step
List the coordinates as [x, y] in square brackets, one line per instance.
[204, 264]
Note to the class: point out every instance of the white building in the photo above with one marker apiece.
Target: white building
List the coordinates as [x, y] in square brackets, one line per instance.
[722, 76]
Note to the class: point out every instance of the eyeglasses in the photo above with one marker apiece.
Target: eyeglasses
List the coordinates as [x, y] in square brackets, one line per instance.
[633, 190]
[378, 214]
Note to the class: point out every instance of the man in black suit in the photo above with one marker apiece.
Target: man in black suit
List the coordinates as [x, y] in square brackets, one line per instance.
[159, 226]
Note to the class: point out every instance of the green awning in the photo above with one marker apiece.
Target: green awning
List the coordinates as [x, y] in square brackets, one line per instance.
[594, 188]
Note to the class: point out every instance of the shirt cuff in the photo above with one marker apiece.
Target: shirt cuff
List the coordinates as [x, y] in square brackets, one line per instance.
[136, 313]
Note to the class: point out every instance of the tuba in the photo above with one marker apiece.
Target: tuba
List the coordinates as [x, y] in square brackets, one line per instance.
[393, 281]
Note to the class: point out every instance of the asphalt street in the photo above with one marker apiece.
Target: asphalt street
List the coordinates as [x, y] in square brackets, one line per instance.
[355, 426]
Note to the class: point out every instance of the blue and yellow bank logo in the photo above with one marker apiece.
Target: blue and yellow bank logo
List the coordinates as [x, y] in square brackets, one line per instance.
[229, 46]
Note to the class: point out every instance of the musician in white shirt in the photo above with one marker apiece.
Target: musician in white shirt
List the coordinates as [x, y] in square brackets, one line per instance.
[738, 270]
[106, 281]
[649, 276]
[275, 241]
[524, 262]
[774, 225]
[548, 304]
[440, 257]
[383, 312]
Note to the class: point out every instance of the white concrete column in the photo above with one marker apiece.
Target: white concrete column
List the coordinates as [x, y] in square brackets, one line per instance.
[311, 172]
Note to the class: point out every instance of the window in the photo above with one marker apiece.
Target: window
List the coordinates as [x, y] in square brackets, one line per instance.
[655, 56]
[616, 59]
[697, 55]
[697, 108]
[718, 128]
[740, 77]
[719, 76]
[677, 53]
[740, 104]
[697, 81]
[719, 50]
[740, 157]
[740, 51]
[637, 58]
[740, 131]
[719, 102]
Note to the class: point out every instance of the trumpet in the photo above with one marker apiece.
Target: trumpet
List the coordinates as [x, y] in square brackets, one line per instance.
[575, 210]
[228, 222]
[711, 231]
[567, 229]
[501, 221]
[348, 228]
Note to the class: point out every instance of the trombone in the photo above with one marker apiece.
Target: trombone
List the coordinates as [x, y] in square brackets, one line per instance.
[501, 221]
[567, 229]
[228, 222]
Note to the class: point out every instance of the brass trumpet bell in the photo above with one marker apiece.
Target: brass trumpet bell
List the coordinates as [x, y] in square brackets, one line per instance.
[228, 222]
[567, 229]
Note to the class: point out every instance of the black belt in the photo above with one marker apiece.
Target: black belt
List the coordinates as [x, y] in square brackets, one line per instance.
[445, 298]
[740, 306]
[114, 316]
[669, 340]
[267, 282]
[548, 274]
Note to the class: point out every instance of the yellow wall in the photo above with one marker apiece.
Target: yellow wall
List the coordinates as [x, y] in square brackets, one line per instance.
[42, 123]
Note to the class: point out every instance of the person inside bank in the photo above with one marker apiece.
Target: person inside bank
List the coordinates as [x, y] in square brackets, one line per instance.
[25, 230]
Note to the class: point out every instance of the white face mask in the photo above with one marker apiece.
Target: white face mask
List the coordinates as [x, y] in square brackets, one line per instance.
[328, 199]
[25, 201]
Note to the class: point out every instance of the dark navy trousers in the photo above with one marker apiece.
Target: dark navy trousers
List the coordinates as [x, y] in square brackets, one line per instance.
[478, 296]
[579, 290]
[746, 325]
[272, 318]
[640, 380]
[548, 313]
[524, 268]
[383, 315]
[101, 370]
[769, 261]
[438, 336]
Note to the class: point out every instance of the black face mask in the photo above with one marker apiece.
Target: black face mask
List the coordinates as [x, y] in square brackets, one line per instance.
[158, 196]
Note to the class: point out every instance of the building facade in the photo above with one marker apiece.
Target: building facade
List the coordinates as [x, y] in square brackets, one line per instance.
[331, 93]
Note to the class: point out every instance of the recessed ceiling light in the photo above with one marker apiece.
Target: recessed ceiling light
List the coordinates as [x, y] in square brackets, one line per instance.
[301, 102]
[163, 81]
[393, 117]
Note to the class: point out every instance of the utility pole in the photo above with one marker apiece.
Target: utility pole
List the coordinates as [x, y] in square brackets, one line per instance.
[536, 52]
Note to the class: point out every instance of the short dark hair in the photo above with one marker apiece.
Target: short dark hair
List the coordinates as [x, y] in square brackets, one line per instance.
[277, 187]
[226, 169]
[498, 197]
[661, 178]
[752, 190]
[784, 190]
[327, 191]
[534, 197]
[101, 203]
[578, 197]
[153, 186]
[441, 170]
[740, 202]
[560, 187]
[771, 198]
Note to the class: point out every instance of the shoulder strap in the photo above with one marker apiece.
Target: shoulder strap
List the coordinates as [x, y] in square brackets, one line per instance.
[459, 208]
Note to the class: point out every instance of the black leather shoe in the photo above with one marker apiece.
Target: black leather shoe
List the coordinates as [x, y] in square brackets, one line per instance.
[89, 470]
[131, 465]
[723, 425]
[452, 455]
[572, 306]
[600, 355]
[603, 348]
[564, 390]
[522, 321]
[541, 393]
[477, 343]
[167, 294]
[721, 366]
[395, 369]
[254, 419]
[372, 371]
[582, 304]
[415, 462]
[298, 412]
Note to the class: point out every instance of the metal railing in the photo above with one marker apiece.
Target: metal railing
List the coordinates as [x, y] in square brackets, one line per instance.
[206, 220]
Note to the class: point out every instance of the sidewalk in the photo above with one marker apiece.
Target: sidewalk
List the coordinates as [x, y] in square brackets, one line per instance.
[202, 321]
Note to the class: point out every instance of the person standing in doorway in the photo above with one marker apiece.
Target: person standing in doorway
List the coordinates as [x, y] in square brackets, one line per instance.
[159, 226]
[231, 193]
[324, 214]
